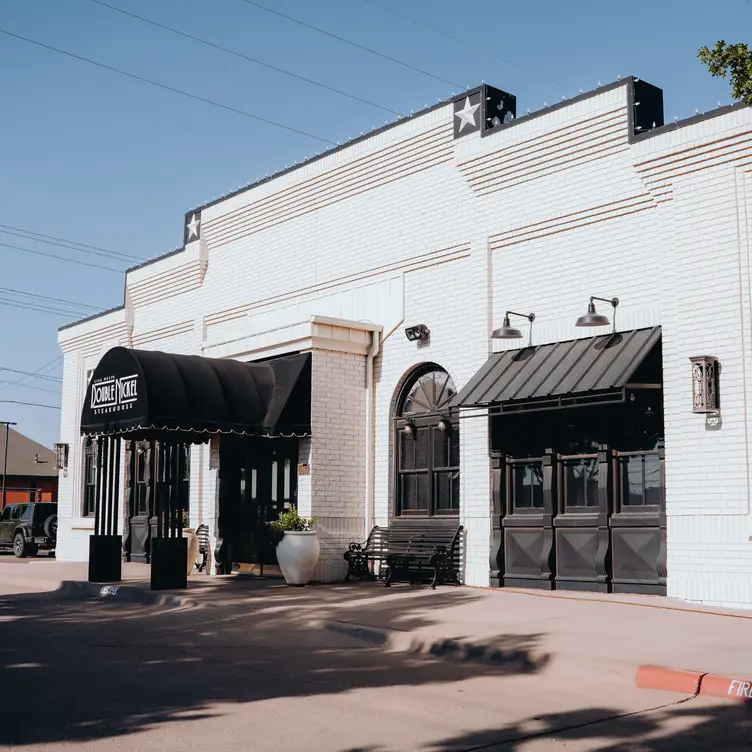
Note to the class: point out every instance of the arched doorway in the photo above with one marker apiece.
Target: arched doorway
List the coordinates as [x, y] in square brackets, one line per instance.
[426, 446]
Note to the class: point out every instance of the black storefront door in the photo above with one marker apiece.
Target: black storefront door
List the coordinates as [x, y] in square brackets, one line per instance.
[258, 481]
[578, 498]
[140, 494]
[148, 474]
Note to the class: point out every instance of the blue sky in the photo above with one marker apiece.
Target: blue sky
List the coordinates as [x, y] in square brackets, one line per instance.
[91, 156]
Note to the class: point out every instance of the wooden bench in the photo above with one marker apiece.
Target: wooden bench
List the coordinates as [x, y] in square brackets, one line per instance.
[413, 551]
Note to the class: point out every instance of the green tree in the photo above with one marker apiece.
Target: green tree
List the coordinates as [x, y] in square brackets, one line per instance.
[734, 61]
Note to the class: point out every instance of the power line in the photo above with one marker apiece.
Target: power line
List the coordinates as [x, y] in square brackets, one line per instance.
[35, 374]
[71, 244]
[61, 258]
[467, 44]
[165, 86]
[351, 43]
[31, 404]
[30, 386]
[47, 297]
[245, 57]
[41, 308]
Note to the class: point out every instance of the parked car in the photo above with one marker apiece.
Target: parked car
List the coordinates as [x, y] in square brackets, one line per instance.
[27, 528]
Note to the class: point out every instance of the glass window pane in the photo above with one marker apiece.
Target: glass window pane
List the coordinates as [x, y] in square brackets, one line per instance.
[243, 484]
[27, 514]
[407, 451]
[431, 391]
[591, 471]
[409, 493]
[414, 496]
[274, 480]
[422, 446]
[423, 500]
[574, 486]
[527, 486]
[287, 477]
[632, 488]
[141, 499]
[254, 478]
[535, 473]
[653, 486]
[440, 448]
[141, 464]
[186, 459]
[447, 491]
[454, 448]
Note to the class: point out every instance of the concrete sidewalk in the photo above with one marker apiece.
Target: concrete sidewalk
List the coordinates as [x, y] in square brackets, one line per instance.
[610, 633]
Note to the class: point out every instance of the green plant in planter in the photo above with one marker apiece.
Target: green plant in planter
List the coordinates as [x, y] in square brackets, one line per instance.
[289, 519]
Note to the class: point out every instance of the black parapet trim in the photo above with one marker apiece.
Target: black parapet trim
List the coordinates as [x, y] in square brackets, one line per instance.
[668, 127]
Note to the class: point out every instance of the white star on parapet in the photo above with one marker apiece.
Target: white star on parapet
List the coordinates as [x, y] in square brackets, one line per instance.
[467, 114]
[193, 227]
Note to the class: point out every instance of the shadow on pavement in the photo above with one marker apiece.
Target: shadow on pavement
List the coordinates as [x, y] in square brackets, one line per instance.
[682, 726]
[87, 670]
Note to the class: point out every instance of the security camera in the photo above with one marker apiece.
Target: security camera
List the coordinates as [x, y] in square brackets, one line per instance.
[415, 333]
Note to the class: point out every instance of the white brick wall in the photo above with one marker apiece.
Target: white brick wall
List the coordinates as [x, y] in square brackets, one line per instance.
[338, 466]
[538, 216]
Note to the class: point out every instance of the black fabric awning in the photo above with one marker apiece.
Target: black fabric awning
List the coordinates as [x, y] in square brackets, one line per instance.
[147, 392]
[580, 371]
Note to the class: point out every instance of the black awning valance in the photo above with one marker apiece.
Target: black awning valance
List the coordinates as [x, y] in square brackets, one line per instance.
[142, 391]
[580, 371]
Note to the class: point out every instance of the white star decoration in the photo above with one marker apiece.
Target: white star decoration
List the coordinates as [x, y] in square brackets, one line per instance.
[193, 227]
[467, 114]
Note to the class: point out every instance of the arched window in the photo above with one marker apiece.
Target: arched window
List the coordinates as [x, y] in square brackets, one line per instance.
[427, 446]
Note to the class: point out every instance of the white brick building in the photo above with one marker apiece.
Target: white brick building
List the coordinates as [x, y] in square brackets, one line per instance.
[426, 222]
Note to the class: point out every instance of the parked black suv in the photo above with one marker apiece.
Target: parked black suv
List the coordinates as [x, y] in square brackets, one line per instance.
[26, 528]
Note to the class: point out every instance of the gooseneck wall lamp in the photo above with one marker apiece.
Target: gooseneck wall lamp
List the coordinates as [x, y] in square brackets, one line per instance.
[592, 318]
[507, 331]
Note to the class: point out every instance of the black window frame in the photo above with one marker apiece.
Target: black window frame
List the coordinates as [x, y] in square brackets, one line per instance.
[89, 496]
[425, 427]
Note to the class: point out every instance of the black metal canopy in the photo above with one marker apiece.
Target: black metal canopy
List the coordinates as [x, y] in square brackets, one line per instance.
[142, 392]
[581, 371]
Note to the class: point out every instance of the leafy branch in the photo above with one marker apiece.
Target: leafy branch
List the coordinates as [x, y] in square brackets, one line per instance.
[733, 61]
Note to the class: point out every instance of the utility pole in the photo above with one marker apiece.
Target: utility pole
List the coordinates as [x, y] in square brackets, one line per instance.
[7, 424]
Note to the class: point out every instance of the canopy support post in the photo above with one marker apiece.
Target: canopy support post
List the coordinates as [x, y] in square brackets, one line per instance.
[169, 549]
[105, 545]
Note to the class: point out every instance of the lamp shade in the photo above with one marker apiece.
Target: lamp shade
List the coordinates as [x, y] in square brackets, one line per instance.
[506, 331]
[591, 318]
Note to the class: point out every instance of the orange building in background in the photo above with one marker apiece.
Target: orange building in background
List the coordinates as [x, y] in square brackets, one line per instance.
[31, 474]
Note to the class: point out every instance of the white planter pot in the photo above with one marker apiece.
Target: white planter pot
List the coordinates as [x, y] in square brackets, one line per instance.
[190, 534]
[297, 554]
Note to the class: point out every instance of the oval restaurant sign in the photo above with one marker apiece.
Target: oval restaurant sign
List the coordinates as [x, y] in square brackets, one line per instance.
[110, 394]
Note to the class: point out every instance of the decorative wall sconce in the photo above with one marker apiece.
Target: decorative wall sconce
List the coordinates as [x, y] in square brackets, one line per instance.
[704, 384]
[442, 425]
[507, 331]
[591, 318]
[409, 430]
[416, 333]
[61, 458]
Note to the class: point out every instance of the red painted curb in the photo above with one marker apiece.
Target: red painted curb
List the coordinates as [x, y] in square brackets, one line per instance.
[694, 683]
[727, 687]
[669, 679]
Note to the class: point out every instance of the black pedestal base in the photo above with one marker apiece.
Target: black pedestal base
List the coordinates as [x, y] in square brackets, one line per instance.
[169, 562]
[105, 558]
